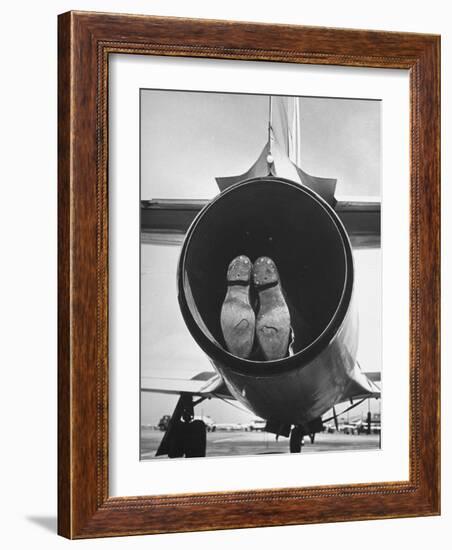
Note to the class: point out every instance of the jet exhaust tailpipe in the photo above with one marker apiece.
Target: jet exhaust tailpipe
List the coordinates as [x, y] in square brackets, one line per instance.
[291, 224]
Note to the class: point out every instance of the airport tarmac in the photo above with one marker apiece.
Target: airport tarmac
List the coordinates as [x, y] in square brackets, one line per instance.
[242, 443]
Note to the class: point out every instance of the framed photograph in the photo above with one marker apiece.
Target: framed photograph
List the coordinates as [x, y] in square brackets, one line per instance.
[248, 275]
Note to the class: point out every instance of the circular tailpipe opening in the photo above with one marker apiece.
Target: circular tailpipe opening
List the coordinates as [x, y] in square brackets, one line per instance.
[303, 235]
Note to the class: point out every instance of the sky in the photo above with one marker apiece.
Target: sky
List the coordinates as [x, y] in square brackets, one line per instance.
[190, 138]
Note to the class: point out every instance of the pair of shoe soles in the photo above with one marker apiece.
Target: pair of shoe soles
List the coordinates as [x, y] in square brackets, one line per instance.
[240, 324]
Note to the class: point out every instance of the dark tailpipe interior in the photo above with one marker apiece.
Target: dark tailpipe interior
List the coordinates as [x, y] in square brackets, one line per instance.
[276, 218]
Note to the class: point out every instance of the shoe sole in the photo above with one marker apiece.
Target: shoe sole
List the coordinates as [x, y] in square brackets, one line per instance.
[238, 321]
[273, 319]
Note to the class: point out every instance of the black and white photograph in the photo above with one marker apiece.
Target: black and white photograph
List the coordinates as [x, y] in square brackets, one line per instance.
[260, 274]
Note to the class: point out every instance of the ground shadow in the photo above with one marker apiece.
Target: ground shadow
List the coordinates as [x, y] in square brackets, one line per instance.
[49, 523]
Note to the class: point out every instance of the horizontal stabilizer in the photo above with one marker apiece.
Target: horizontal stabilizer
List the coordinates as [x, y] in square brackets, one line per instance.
[165, 221]
[204, 384]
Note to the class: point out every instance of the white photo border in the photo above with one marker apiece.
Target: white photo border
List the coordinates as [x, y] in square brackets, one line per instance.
[127, 474]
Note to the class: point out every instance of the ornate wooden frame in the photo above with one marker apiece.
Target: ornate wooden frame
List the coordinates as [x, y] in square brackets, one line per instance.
[84, 44]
